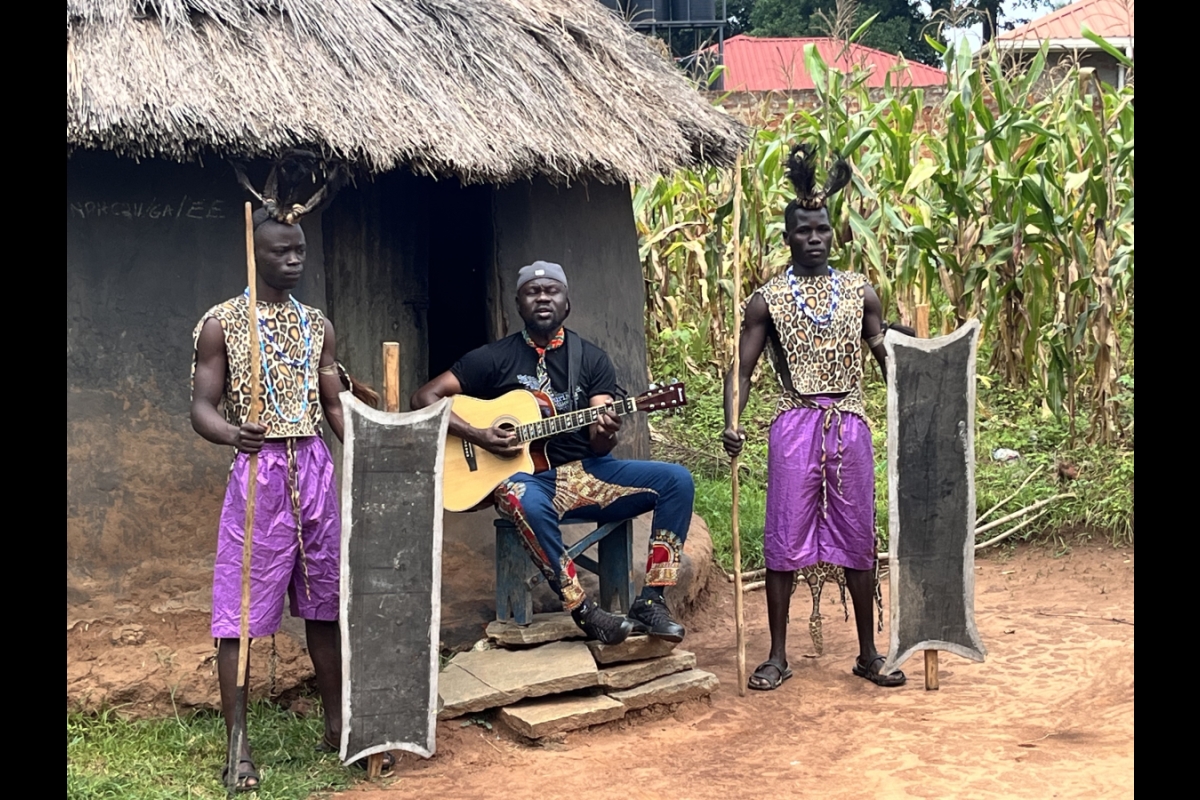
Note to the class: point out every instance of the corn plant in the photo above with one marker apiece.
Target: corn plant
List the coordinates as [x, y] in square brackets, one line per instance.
[1007, 197]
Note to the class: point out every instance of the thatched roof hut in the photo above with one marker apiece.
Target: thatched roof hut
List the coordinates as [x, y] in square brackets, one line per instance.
[540, 113]
[487, 91]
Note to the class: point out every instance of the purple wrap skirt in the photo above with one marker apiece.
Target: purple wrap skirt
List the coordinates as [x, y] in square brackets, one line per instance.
[296, 544]
[820, 490]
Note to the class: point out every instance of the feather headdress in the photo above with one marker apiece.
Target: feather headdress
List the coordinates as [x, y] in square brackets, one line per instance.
[292, 176]
[801, 171]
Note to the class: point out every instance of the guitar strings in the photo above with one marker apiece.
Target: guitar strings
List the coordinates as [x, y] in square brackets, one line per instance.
[575, 419]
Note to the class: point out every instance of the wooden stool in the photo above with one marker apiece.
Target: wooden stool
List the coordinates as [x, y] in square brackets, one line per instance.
[514, 598]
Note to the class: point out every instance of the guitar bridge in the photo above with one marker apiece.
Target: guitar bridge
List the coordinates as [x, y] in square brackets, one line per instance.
[469, 454]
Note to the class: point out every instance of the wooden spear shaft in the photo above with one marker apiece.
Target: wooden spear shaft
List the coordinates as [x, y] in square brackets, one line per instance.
[391, 376]
[237, 740]
[737, 398]
[391, 404]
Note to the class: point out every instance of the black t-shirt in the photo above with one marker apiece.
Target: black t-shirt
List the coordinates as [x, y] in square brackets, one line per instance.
[498, 368]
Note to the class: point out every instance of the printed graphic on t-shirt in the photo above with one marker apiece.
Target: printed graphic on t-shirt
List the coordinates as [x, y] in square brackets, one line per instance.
[561, 400]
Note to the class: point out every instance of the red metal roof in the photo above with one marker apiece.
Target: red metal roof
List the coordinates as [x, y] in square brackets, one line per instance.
[765, 64]
[1112, 19]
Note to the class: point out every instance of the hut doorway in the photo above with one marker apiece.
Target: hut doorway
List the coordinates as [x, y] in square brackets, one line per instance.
[460, 256]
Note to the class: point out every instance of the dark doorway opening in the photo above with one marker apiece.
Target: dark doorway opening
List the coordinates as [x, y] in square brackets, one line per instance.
[460, 255]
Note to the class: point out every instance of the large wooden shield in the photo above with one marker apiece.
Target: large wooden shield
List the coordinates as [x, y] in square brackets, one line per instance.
[391, 577]
[931, 487]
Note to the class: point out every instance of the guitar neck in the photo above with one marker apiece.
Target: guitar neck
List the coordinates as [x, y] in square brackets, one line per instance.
[565, 423]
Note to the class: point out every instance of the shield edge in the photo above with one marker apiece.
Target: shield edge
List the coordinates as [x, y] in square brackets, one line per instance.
[352, 406]
[979, 652]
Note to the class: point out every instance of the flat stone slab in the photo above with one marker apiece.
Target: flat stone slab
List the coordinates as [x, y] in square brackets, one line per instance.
[542, 629]
[635, 648]
[538, 718]
[672, 689]
[626, 676]
[479, 680]
[460, 692]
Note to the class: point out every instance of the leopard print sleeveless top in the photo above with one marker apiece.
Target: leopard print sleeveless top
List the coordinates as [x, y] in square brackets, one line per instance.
[278, 370]
[811, 359]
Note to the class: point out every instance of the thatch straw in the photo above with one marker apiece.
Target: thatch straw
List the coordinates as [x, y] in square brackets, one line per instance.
[490, 91]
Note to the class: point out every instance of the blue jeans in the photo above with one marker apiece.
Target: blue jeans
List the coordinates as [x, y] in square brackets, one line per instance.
[599, 490]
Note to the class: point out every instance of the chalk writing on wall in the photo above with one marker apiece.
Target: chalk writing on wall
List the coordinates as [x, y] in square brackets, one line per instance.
[185, 207]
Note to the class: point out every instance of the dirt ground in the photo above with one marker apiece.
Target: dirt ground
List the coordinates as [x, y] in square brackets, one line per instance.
[1049, 714]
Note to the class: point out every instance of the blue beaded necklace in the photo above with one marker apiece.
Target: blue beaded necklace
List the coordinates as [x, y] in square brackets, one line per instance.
[825, 318]
[304, 363]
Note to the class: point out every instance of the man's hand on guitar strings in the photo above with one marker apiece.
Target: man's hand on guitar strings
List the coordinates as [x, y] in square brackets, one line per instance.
[498, 441]
[608, 424]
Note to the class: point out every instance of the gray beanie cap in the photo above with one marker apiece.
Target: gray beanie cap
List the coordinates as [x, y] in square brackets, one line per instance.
[541, 269]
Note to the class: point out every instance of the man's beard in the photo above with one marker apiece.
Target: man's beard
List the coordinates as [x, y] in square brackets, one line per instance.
[546, 328]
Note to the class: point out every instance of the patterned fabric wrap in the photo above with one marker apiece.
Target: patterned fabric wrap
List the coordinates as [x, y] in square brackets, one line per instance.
[819, 360]
[599, 490]
[556, 341]
[284, 323]
[662, 567]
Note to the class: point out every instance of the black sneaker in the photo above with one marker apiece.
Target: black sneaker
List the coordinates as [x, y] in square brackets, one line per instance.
[652, 617]
[600, 625]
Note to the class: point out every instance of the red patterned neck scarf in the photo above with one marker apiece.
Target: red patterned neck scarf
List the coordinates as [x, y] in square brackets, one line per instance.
[556, 341]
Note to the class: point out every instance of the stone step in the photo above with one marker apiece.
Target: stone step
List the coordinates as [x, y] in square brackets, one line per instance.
[479, 680]
[542, 628]
[635, 648]
[675, 688]
[626, 676]
[543, 717]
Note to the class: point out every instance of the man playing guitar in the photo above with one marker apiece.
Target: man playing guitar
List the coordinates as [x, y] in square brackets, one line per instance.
[584, 482]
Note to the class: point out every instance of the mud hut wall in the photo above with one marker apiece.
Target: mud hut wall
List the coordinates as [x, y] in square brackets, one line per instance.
[150, 247]
[376, 283]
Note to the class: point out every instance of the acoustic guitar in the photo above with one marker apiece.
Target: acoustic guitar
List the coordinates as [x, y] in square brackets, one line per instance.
[472, 473]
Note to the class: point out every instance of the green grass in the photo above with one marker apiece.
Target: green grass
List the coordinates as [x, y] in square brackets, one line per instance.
[1007, 418]
[182, 757]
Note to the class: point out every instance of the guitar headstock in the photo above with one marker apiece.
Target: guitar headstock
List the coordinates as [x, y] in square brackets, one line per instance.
[662, 397]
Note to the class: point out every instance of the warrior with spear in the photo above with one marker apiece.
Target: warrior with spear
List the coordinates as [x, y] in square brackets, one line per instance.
[812, 320]
[279, 533]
